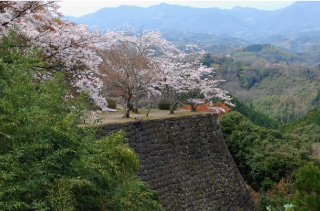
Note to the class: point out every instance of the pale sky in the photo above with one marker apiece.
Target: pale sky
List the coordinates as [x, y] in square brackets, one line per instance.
[79, 8]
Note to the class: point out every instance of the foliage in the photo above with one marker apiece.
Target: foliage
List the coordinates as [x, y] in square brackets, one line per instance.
[111, 103]
[256, 117]
[266, 51]
[307, 126]
[183, 77]
[220, 108]
[108, 168]
[284, 108]
[317, 98]
[256, 47]
[284, 97]
[208, 60]
[278, 195]
[47, 161]
[312, 117]
[249, 76]
[263, 156]
[164, 104]
[142, 63]
[129, 62]
[281, 90]
[299, 132]
[62, 44]
[307, 182]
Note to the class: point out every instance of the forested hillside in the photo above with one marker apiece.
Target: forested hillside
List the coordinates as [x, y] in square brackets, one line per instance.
[256, 117]
[307, 126]
[281, 92]
[273, 162]
[276, 83]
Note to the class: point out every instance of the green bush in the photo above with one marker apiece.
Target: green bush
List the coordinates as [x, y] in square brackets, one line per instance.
[111, 103]
[164, 104]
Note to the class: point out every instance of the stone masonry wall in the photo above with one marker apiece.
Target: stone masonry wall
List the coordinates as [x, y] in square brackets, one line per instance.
[187, 161]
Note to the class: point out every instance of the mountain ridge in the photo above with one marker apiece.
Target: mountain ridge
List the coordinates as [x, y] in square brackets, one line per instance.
[283, 27]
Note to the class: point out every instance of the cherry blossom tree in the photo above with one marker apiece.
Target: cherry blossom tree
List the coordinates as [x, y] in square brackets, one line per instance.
[183, 76]
[141, 62]
[130, 62]
[64, 45]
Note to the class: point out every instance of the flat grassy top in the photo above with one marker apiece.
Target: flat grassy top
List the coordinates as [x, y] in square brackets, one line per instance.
[116, 117]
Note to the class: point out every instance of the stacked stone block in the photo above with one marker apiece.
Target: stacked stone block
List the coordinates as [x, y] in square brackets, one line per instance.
[187, 161]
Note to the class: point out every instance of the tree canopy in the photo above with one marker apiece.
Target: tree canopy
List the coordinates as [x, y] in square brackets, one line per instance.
[47, 161]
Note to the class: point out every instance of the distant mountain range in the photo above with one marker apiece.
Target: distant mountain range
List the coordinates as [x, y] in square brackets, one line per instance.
[291, 28]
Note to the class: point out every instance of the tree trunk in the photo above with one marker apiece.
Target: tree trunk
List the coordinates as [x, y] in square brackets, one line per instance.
[135, 106]
[127, 109]
[149, 109]
[172, 108]
[173, 103]
[193, 107]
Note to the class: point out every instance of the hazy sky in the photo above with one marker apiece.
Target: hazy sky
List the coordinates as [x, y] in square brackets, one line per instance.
[79, 8]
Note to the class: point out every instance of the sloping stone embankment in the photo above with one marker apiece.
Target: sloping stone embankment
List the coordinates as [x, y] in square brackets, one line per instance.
[187, 161]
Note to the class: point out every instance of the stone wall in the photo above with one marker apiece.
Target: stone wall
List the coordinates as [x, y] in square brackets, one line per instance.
[187, 161]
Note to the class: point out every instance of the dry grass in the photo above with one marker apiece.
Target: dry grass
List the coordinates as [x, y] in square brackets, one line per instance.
[116, 117]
